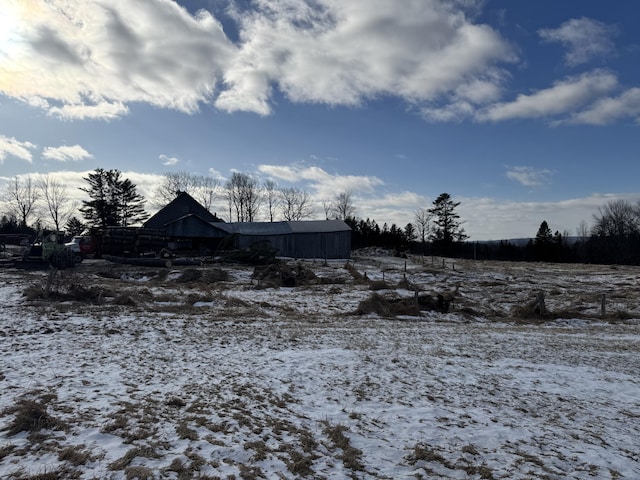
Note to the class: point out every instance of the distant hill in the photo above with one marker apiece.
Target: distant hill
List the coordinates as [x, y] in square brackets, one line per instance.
[521, 242]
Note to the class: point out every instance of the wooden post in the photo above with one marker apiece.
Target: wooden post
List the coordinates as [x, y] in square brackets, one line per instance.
[603, 305]
[52, 273]
[540, 308]
[443, 263]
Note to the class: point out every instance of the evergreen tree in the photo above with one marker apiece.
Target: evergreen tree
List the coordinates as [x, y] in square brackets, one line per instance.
[75, 227]
[113, 201]
[130, 204]
[447, 227]
[544, 235]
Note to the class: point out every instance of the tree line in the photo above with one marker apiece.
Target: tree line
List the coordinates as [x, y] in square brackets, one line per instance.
[113, 200]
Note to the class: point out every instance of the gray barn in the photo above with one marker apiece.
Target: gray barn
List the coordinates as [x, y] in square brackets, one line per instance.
[301, 239]
[190, 226]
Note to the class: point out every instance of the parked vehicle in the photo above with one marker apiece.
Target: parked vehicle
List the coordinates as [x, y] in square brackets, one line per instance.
[81, 247]
[50, 249]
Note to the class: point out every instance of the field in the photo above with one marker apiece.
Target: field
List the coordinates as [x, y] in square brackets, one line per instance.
[221, 372]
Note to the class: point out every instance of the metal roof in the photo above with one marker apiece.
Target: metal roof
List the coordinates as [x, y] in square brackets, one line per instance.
[283, 228]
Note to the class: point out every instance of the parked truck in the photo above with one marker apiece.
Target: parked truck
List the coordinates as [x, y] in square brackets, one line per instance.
[47, 249]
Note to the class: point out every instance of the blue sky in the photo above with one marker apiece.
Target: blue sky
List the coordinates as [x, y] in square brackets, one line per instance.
[522, 111]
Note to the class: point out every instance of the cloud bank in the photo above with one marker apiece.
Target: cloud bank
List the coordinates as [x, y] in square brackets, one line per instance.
[92, 59]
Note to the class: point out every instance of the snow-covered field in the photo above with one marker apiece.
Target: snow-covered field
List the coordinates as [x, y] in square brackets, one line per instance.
[155, 374]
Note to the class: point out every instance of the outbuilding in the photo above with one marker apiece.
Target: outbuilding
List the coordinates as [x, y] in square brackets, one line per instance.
[190, 226]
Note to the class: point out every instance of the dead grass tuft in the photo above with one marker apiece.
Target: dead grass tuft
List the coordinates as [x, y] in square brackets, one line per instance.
[127, 458]
[57, 474]
[67, 292]
[351, 457]
[125, 300]
[31, 416]
[379, 285]
[186, 433]
[176, 402]
[384, 307]
[283, 275]
[139, 473]
[355, 274]
[407, 285]
[76, 455]
[424, 453]
[299, 463]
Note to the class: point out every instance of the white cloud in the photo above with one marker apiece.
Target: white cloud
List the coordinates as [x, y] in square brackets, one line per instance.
[101, 55]
[610, 109]
[529, 176]
[10, 147]
[65, 153]
[91, 57]
[215, 174]
[493, 219]
[584, 39]
[343, 52]
[562, 98]
[168, 161]
[323, 184]
[102, 110]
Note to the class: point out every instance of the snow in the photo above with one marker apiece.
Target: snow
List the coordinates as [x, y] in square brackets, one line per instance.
[227, 380]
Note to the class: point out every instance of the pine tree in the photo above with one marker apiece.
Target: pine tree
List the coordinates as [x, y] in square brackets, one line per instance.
[130, 204]
[114, 201]
[75, 227]
[447, 227]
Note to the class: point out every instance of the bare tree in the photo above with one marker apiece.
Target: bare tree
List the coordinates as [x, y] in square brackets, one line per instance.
[22, 197]
[272, 198]
[296, 204]
[423, 224]
[327, 206]
[243, 194]
[343, 205]
[172, 184]
[203, 188]
[618, 219]
[56, 201]
[583, 230]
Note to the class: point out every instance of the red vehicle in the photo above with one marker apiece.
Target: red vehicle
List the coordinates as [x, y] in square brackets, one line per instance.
[82, 246]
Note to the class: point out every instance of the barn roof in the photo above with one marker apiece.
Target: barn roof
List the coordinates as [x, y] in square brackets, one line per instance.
[284, 228]
[180, 207]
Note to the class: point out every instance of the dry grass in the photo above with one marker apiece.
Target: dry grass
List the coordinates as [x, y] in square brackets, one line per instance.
[124, 461]
[57, 474]
[351, 457]
[31, 416]
[384, 307]
[76, 455]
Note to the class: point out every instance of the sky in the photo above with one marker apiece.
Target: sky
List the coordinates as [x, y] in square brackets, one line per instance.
[521, 111]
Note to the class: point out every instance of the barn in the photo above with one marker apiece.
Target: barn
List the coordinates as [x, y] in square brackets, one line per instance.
[300, 239]
[190, 226]
[187, 224]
